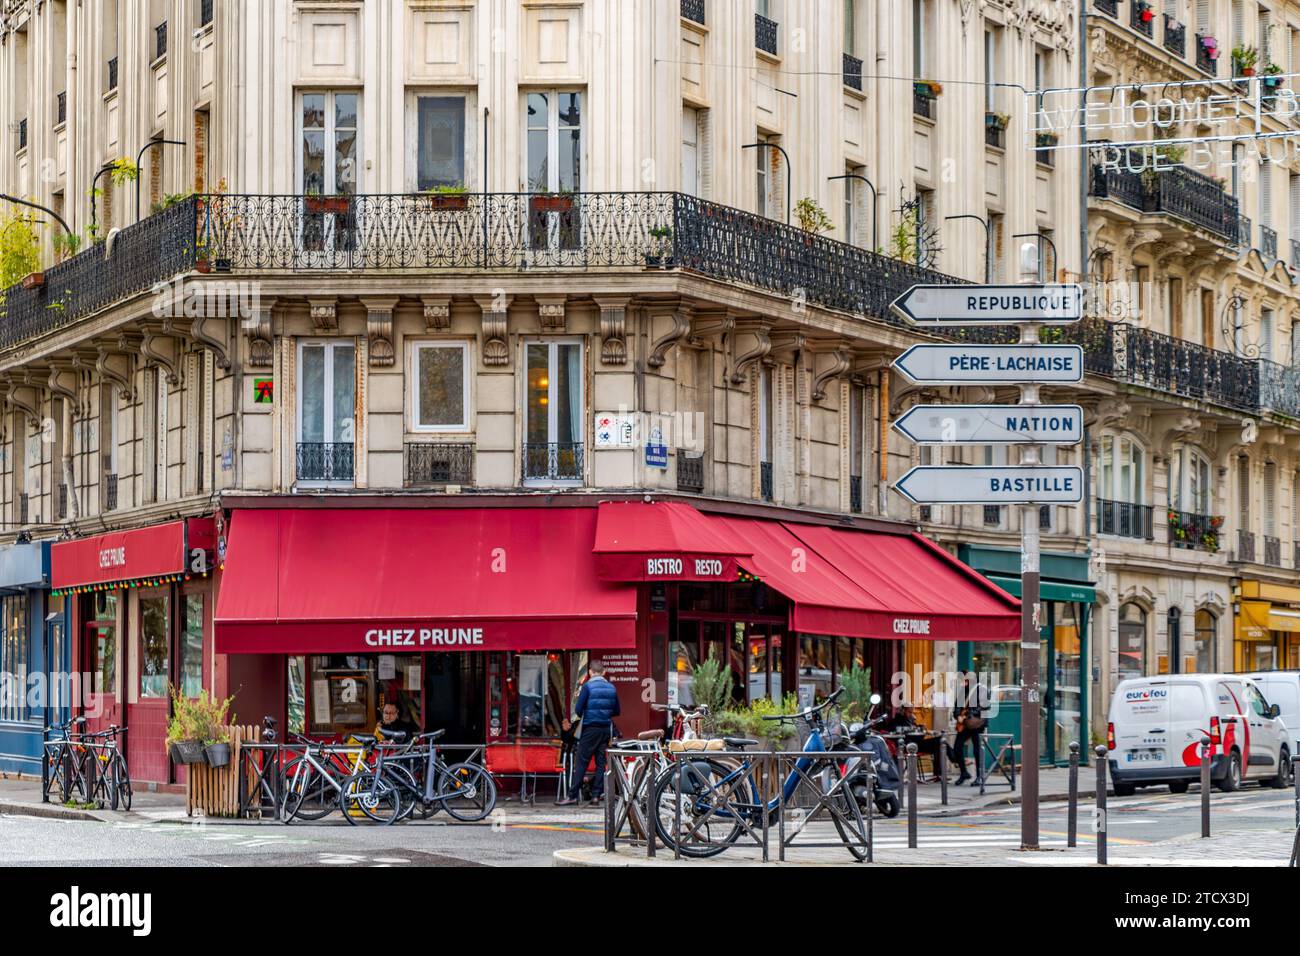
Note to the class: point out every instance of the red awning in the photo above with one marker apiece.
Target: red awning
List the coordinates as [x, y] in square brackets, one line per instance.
[872, 584]
[141, 554]
[661, 541]
[308, 581]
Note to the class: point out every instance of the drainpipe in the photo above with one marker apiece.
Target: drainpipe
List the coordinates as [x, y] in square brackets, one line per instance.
[882, 484]
[74, 512]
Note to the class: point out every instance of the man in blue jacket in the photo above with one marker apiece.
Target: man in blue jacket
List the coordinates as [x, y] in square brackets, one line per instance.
[597, 707]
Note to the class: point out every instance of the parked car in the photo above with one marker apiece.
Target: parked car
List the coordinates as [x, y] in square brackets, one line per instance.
[1156, 725]
[1283, 688]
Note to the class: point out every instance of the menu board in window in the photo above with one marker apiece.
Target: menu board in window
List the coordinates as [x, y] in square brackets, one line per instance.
[349, 697]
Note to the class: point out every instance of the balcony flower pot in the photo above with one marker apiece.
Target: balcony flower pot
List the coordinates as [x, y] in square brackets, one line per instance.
[539, 204]
[33, 280]
[318, 205]
[448, 202]
[189, 752]
[1147, 15]
[217, 754]
[203, 265]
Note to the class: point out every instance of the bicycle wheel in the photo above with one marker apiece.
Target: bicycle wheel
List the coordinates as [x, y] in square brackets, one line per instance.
[371, 796]
[712, 805]
[410, 794]
[467, 792]
[307, 793]
[849, 823]
[65, 776]
[122, 778]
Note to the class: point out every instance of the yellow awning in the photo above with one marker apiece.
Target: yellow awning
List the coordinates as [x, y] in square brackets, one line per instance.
[1273, 593]
[1253, 621]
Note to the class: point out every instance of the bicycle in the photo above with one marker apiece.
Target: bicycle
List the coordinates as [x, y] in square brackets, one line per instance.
[720, 799]
[63, 767]
[111, 782]
[313, 782]
[464, 789]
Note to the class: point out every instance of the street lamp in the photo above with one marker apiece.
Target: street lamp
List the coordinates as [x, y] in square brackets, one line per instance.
[94, 213]
[787, 173]
[875, 200]
[33, 205]
[988, 242]
[1041, 239]
[139, 156]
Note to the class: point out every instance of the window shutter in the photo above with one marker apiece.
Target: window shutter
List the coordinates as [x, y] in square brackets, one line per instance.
[704, 154]
[1270, 482]
[1203, 17]
[1238, 23]
[1266, 334]
[1243, 492]
[1294, 183]
[1266, 194]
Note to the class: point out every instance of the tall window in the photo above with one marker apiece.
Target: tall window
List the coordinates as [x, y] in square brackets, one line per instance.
[1170, 654]
[766, 408]
[1207, 626]
[160, 427]
[1266, 193]
[1293, 196]
[326, 410]
[920, 62]
[329, 158]
[690, 151]
[191, 647]
[155, 647]
[1269, 504]
[1243, 493]
[1266, 333]
[990, 70]
[1132, 641]
[439, 377]
[554, 141]
[1122, 470]
[439, 141]
[1190, 485]
[13, 657]
[553, 414]
[762, 170]
[850, 27]
[850, 201]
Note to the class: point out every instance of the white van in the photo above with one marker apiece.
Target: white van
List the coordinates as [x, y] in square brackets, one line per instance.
[1156, 725]
[1283, 688]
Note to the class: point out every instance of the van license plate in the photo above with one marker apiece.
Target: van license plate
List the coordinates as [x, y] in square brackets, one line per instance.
[1147, 755]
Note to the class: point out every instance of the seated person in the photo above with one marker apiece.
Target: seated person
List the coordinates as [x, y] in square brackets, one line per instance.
[390, 723]
[904, 719]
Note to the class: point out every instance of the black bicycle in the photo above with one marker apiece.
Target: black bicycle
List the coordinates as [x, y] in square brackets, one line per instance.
[388, 791]
[63, 772]
[110, 781]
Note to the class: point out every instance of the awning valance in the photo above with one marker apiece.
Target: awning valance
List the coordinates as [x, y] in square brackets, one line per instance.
[661, 541]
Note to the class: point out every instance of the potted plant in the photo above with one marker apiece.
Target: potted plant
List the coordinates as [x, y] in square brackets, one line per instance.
[316, 204]
[33, 280]
[197, 731]
[1211, 47]
[453, 198]
[1272, 76]
[996, 120]
[927, 88]
[66, 245]
[662, 257]
[1044, 139]
[184, 735]
[811, 217]
[550, 202]
[1145, 13]
[1244, 59]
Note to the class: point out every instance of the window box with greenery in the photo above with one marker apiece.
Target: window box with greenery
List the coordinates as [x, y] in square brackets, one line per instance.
[927, 89]
[1145, 12]
[316, 204]
[1244, 60]
[197, 732]
[1211, 47]
[997, 121]
[550, 202]
[1272, 77]
[662, 241]
[453, 198]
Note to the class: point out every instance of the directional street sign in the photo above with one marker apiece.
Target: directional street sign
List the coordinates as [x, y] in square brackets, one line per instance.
[991, 364]
[996, 485]
[947, 305]
[992, 424]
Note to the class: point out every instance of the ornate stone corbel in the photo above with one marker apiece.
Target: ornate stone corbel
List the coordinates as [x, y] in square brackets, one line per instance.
[706, 324]
[758, 329]
[841, 360]
[681, 327]
[437, 313]
[30, 406]
[261, 349]
[786, 345]
[550, 312]
[496, 344]
[60, 371]
[159, 348]
[103, 361]
[379, 331]
[219, 349]
[324, 314]
[613, 329]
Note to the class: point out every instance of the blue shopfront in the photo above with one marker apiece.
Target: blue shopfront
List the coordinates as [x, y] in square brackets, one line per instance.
[35, 656]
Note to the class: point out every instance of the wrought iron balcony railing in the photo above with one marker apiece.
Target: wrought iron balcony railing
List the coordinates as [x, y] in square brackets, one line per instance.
[1204, 62]
[1241, 240]
[1194, 531]
[922, 105]
[1139, 20]
[1267, 243]
[61, 107]
[993, 515]
[1108, 7]
[62, 497]
[112, 74]
[765, 34]
[160, 41]
[110, 492]
[765, 480]
[1175, 36]
[324, 461]
[1245, 546]
[553, 461]
[1178, 191]
[690, 471]
[1272, 551]
[994, 135]
[852, 72]
[855, 494]
[150, 251]
[1125, 519]
[22, 133]
[439, 463]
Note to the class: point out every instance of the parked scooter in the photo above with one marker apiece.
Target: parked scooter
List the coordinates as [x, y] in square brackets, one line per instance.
[877, 762]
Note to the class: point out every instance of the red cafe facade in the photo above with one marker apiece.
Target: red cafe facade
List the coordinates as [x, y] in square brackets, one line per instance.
[480, 615]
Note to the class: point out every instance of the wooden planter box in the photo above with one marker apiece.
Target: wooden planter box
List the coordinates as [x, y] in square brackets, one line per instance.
[451, 202]
[551, 203]
[214, 791]
[317, 205]
[33, 280]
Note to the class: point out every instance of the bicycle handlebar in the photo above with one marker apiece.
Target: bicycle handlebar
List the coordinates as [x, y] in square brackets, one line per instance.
[805, 714]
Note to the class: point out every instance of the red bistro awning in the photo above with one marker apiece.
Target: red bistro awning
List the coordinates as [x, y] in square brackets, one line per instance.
[661, 541]
[140, 554]
[309, 581]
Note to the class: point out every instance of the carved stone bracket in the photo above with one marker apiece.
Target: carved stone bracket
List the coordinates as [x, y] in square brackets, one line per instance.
[324, 314]
[379, 331]
[26, 396]
[217, 346]
[758, 330]
[261, 349]
[58, 384]
[437, 313]
[159, 348]
[550, 313]
[117, 368]
[841, 360]
[706, 324]
[681, 327]
[496, 344]
[786, 345]
[613, 329]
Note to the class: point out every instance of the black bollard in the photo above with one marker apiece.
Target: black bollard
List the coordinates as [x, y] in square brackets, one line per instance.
[1205, 787]
[911, 796]
[1072, 820]
[1100, 821]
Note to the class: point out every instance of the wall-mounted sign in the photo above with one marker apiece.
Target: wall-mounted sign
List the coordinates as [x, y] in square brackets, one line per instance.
[614, 431]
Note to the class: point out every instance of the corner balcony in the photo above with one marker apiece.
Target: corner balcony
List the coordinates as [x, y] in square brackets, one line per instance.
[1176, 191]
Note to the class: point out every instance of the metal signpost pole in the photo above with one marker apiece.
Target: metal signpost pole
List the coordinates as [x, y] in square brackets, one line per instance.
[1029, 634]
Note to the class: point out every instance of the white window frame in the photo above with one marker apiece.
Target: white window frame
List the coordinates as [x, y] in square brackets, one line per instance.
[327, 407]
[552, 405]
[1190, 461]
[160, 437]
[331, 186]
[1116, 446]
[468, 159]
[553, 135]
[414, 347]
[762, 178]
[690, 150]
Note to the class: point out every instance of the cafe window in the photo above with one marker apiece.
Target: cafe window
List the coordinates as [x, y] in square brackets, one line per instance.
[191, 648]
[100, 611]
[439, 141]
[13, 658]
[345, 694]
[155, 651]
[1207, 626]
[543, 690]
[1132, 641]
[816, 658]
[439, 377]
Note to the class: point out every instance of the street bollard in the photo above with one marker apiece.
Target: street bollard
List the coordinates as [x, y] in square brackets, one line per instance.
[911, 796]
[1100, 822]
[1205, 787]
[651, 813]
[609, 806]
[943, 770]
[1295, 778]
[1072, 819]
[871, 807]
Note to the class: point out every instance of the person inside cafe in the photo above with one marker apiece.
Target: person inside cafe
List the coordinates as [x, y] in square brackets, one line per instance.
[597, 706]
[391, 722]
[911, 730]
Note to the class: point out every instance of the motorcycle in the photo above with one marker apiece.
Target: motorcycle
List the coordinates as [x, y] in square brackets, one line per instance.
[876, 763]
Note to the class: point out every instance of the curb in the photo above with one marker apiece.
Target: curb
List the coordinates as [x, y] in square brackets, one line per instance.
[49, 811]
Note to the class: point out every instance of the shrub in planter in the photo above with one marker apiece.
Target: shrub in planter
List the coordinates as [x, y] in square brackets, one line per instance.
[450, 198]
[196, 725]
[551, 202]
